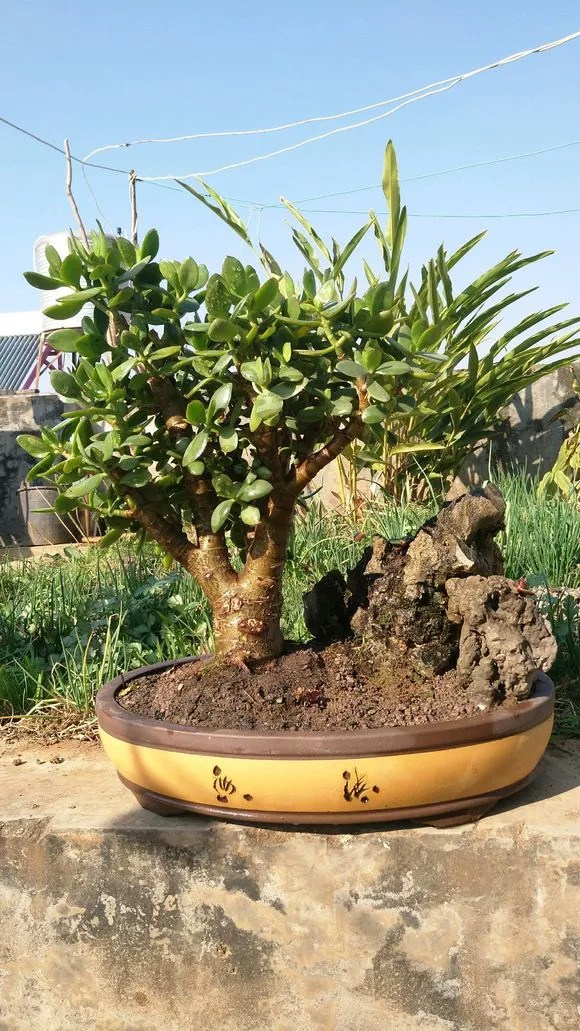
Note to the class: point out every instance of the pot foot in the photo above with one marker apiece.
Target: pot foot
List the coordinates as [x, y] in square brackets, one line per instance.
[153, 803]
[469, 815]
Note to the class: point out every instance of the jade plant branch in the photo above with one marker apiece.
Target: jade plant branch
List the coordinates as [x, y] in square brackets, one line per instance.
[246, 605]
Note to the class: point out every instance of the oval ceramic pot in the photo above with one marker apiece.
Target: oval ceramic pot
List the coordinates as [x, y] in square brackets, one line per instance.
[441, 773]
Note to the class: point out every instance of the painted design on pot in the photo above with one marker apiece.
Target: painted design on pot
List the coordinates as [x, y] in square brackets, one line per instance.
[222, 785]
[358, 789]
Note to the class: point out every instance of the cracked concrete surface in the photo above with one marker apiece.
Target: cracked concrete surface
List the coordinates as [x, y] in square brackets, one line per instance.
[111, 917]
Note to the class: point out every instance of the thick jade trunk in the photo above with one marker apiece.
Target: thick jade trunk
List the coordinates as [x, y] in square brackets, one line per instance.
[247, 609]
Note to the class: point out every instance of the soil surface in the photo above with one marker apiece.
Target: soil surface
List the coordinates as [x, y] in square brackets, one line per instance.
[344, 686]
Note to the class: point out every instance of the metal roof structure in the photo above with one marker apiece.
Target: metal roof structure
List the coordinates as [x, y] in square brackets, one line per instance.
[18, 356]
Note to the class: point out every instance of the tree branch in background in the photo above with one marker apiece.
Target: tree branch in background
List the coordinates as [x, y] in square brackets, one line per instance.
[70, 196]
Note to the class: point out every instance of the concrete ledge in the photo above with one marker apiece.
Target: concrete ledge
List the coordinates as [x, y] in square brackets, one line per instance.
[111, 917]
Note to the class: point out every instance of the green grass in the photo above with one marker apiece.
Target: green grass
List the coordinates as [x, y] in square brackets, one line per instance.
[68, 626]
[542, 539]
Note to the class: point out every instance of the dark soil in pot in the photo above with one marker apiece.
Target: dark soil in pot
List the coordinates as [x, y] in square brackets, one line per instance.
[345, 686]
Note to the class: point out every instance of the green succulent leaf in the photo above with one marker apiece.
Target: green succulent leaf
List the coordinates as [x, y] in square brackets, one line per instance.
[224, 486]
[65, 384]
[217, 298]
[111, 537]
[133, 272]
[71, 270]
[395, 368]
[228, 440]
[196, 448]
[150, 244]
[40, 282]
[65, 340]
[377, 392]
[85, 486]
[253, 491]
[222, 330]
[342, 406]
[69, 306]
[164, 352]
[126, 250]
[234, 274]
[220, 514]
[373, 415]
[64, 505]
[265, 296]
[250, 515]
[188, 275]
[267, 406]
[196, 413]
[33, 445]
[407, 449]
[220, 399]
[352, 370]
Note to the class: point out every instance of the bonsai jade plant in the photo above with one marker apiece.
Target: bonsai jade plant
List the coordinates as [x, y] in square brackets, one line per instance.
[206, 405]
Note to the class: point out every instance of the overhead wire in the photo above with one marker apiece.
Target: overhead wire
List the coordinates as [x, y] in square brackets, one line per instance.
[301, 143]
[412, 94]
[445, 171]
[60, 150]
[416, 214]
[264, 206]
[407, 98]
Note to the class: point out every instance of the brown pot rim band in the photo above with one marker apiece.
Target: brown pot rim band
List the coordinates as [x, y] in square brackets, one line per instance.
[293, 744]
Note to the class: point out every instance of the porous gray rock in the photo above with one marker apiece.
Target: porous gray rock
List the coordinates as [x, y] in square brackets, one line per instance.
[505, 641]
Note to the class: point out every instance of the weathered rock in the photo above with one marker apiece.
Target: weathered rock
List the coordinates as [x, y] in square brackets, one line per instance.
[505, 641]
[439, 600]
[459, 541]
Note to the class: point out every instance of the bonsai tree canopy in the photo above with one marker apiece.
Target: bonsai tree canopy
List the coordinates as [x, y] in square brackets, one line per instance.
[205, 405]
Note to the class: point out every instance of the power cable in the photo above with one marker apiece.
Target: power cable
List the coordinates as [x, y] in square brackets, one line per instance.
[449, 82]
[445, 171]
[416, 214]
[406, 99]
[263, 206]
[60, 150]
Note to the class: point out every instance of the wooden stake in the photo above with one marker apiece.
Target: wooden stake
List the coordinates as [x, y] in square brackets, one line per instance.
[133, 199]
[70, 196]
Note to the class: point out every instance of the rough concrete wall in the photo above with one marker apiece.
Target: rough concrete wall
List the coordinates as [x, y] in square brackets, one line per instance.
[190, 926]
[23, 412]
[535, 425]
[540, 417]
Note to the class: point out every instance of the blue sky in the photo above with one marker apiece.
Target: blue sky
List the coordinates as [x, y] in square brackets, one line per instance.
[148, 69]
